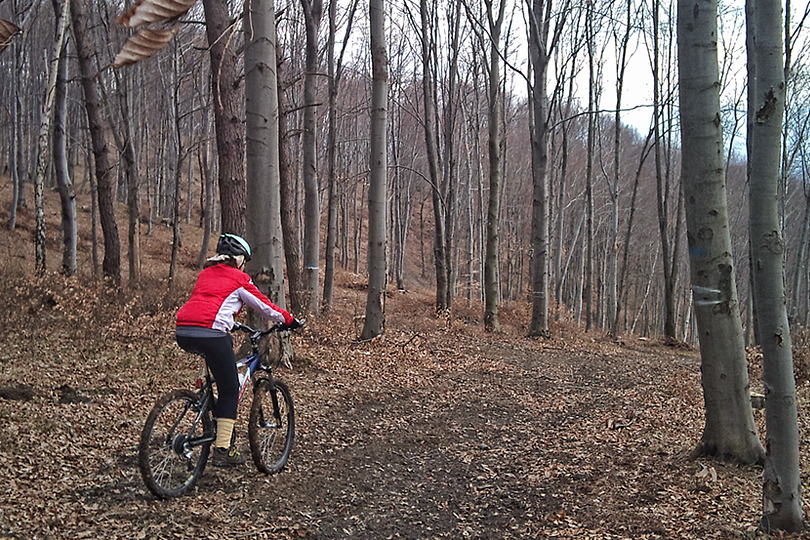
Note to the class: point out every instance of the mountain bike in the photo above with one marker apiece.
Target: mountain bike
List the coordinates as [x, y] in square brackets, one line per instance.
[178, 433]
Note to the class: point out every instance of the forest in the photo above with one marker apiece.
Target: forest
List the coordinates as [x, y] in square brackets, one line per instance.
[534, 170]
[616, 237]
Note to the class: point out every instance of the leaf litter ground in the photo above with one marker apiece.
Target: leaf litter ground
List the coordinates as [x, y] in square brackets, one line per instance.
[435, 430]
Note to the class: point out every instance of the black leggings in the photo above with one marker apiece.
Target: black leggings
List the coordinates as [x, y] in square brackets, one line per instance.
[218, 354]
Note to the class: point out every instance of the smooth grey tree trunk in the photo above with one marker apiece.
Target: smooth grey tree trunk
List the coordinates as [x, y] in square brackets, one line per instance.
[374, 324]
[781, 493]
[264, 231]
[729, 430]
[431, 153]
[64, 183]
[313, 9]
[495, 114]
[540, 47]
[262, 110]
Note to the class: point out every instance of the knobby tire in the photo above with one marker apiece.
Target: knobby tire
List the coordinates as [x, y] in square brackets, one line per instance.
[271, 428]
[169, 466]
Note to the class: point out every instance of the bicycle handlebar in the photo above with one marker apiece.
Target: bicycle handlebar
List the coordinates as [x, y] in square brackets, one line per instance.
[278, 327]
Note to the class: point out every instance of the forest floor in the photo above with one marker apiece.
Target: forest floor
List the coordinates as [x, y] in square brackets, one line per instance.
[435, 430]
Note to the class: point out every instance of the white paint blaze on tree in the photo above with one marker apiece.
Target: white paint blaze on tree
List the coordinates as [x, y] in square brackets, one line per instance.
[781, 493]
[729, 430]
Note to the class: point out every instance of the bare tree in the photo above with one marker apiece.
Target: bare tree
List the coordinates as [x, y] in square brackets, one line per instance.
[262, 114]
[428, 47]
[16, 157]
[67, 196]
[46, 121]
[227, 102]
[729, 424]
[86, 50]
[495, 142]
[662, 199]
[334, 72]
[541, 44]
[313, 9]
[375, 302]
[781, 493]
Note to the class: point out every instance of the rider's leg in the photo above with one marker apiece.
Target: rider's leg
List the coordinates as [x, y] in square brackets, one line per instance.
[218, 353]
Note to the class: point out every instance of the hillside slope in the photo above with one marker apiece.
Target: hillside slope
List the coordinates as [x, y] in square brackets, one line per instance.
[434, 430]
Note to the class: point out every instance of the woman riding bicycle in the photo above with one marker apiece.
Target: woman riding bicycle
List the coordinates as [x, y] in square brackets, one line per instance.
[203, 325]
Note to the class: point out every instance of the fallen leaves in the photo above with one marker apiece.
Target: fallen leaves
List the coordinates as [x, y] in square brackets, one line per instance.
[435, 431]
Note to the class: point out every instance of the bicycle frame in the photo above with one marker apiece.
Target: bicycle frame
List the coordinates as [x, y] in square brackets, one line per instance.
[253, 363]
[250, 364]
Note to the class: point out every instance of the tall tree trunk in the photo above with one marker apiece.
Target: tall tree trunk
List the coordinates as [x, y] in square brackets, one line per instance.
[334, 74]
[613, 253]
[46, 120]
[662, 192]
[495, 112]
[207, 176]
[313, 9]
[175, 160]
[588, 287]
[17, 190]
[375, 301]
[67, 196]
[729, 424]
[228, 107]
[431, 151]
[125, 141]
[331, 161]
[262, 115]
[86, 50]
[264, 230]
[781, 493]
[290, 210]
[125, 138]
[539, 53]
[450, 173]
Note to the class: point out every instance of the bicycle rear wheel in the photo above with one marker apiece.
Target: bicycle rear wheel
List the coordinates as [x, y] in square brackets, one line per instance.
[271, 428]
[174, 445]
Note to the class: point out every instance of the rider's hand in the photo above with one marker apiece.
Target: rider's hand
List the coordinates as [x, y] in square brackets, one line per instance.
[294, 324]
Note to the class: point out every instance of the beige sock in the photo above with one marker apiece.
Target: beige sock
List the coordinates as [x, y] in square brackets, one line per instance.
[224, 432]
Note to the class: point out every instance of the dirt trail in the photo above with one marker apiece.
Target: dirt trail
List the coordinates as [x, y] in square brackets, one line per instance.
[449, 435]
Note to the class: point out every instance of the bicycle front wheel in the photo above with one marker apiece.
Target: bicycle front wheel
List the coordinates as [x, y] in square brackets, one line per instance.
[272, 426]
[175, 444]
